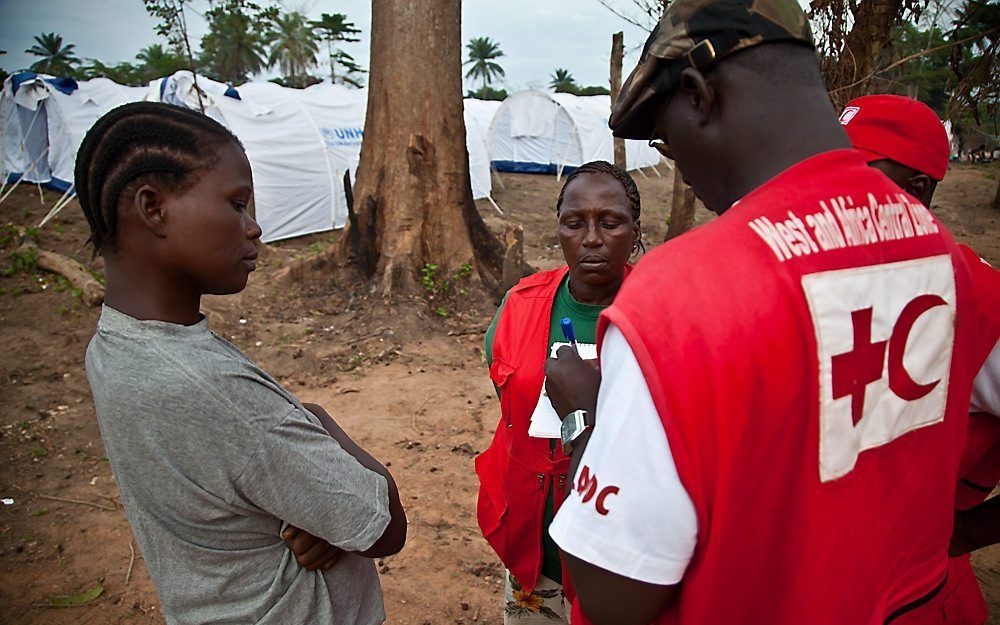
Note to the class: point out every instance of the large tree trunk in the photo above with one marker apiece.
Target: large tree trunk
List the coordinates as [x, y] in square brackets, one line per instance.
[869, 37]
[412, 199]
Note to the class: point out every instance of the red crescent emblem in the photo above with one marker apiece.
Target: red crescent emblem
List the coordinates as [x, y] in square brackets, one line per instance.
[900, 381]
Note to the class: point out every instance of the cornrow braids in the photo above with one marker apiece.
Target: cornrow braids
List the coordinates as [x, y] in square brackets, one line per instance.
[141, 142]
[622, 176]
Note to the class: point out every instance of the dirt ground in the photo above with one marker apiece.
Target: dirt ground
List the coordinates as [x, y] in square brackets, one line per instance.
[416, 395]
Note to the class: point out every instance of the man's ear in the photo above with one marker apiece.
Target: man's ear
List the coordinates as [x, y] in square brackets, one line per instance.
[148, 205]
[700, 93]
[918, 186]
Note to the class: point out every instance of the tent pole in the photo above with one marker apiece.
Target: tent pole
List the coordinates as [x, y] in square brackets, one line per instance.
[41, 196]
[658, 174]
[30, 167]
[494, 204]
[499, 180]
[559, 169]
[58, 206]
[11, 189]
[643, 173]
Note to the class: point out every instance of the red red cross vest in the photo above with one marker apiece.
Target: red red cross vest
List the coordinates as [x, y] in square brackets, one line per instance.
[516, 471]
[811, 354]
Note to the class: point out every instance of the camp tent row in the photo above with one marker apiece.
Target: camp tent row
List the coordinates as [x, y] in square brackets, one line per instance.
[300, 142]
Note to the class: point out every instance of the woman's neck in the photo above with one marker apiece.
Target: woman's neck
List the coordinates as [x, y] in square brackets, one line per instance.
[601, 295]
[150, 297]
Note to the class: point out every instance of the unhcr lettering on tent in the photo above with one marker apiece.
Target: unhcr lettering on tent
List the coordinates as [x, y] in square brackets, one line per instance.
[341, 137]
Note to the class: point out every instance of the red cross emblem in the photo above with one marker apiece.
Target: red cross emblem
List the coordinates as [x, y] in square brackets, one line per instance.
[853, 371]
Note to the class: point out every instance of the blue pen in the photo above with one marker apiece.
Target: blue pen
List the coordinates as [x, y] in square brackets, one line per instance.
[567, 329]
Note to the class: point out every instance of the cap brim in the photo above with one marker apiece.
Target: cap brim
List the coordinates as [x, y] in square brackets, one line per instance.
[638, 124]
[871, 157]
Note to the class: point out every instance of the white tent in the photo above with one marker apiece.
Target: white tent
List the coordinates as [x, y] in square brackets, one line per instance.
[300, 142]
[46, 119]
[540, 132]
[478, 116]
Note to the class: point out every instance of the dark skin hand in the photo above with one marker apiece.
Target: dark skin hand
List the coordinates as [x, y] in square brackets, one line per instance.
[311, 552]
[572, 384]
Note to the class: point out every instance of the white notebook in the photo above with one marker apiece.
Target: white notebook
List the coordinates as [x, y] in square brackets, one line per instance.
[545, 423]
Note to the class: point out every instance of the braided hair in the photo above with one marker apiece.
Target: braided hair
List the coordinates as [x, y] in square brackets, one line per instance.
[619, 174]
[140, 143]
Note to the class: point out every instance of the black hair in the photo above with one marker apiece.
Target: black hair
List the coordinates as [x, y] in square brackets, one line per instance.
[619, 174]
[140, 143]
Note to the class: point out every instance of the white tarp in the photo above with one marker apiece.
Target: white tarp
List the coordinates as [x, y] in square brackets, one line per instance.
[538, 131]
[478, 116]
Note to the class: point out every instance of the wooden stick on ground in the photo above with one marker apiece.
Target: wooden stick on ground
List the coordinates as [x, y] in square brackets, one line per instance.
[77, 274]
[131, 560]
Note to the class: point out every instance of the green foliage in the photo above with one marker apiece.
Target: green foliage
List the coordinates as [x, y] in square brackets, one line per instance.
[333, 28]
[38, 452]
[487, 93]
[171, 23]
[233, 48]
[443, 288]
[593, 90]
[293, 47]
[56, 59]
[25, 261]
[124, 73]
[158, 62]
[562, 81]
[482, 52]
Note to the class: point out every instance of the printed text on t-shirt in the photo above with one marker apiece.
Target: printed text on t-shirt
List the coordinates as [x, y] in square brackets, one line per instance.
[587, 487]
[841, 222]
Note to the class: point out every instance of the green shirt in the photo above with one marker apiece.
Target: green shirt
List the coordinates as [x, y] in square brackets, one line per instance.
[584, 318]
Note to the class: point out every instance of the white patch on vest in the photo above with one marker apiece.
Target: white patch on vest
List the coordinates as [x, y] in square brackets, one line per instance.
[884, 338]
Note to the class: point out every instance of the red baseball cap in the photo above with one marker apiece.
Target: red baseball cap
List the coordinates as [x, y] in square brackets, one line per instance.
[899, 129]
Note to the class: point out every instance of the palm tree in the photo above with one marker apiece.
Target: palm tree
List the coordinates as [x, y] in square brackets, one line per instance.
[562, 81]
[293, 47]
[482, 51]
[332, 28]
[233, 47]
[157, 62]
[57, 59]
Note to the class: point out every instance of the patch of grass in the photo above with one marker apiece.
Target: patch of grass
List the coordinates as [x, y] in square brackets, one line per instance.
[21, 261]
[40, 512]
[64, 310]
[24, 425]
[307, 331]
[38, 452]
[58, 228]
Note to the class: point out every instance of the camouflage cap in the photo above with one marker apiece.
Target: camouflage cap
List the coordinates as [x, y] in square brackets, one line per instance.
[699, 34]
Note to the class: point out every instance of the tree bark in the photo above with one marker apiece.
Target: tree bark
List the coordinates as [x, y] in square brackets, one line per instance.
[996, 198]
[412, 198]
[617, 52]
[863, 47]
[681, 208]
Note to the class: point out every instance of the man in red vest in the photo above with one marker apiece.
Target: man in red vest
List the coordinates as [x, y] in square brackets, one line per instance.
[905, 140]
[770, 445]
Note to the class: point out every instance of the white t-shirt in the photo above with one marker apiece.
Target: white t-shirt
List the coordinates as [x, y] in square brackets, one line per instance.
[628, 512]
[986, 387]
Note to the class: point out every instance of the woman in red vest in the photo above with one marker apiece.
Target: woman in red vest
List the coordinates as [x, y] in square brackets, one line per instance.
[522, 477]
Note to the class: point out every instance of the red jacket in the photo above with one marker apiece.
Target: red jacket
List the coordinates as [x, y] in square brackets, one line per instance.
[517, 471]
[821, 464]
